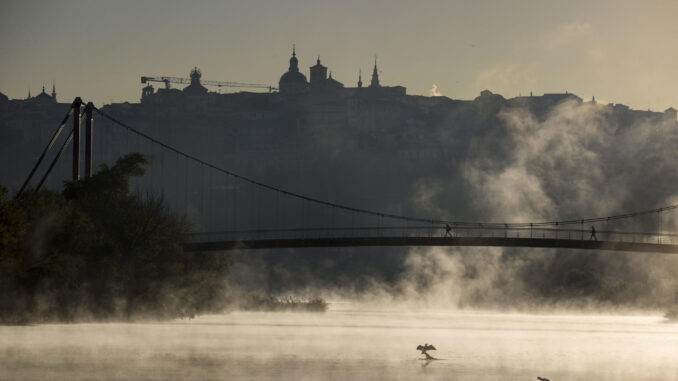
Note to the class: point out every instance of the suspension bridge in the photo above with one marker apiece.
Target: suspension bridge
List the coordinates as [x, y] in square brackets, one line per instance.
[236, 212]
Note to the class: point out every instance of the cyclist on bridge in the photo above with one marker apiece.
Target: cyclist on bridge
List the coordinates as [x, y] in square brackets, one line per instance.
[593, 234]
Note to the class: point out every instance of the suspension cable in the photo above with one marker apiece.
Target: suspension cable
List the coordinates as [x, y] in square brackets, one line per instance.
[375, 213]
[56, 134]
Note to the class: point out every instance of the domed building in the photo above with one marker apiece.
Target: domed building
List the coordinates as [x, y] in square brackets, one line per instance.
[195, 88]
[293, 81]
[43, 98]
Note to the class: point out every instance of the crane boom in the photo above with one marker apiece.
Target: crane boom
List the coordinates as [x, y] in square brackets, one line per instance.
[178, 80]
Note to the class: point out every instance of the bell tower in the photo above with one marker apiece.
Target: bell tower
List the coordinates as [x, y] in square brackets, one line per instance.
[318, 74]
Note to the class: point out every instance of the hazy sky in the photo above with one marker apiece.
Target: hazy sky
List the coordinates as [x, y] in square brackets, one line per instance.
[620, 51]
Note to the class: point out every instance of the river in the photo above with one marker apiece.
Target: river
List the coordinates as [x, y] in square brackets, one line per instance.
[348, 343]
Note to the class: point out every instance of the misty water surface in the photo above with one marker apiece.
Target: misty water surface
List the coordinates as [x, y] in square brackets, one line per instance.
[347, 343]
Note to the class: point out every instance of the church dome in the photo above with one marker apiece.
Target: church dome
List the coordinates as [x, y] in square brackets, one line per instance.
[293, 81]
[195, 88]
[293, 77]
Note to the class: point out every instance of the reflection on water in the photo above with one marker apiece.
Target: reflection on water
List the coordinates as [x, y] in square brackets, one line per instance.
[347, 343]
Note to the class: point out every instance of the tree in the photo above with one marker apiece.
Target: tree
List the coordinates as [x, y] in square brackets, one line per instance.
[98, 250]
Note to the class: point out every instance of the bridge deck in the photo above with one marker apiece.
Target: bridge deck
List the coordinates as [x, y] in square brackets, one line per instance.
[430, 241]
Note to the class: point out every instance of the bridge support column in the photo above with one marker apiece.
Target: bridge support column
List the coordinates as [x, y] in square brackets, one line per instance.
[77, 105]
[89, 121]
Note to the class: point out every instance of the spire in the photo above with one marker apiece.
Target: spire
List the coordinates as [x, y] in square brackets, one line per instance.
[360, 78]
[318, 59]
[53, 91]
[375, 74]
[294, 50]
[43, 88]
[29, 94]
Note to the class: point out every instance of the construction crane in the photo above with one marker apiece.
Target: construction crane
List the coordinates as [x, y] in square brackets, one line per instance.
[168, 80]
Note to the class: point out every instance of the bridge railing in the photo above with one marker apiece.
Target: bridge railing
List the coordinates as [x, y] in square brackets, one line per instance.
[433, 231]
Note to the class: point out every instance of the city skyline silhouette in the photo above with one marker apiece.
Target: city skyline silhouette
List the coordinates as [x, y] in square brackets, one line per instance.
[456, 50]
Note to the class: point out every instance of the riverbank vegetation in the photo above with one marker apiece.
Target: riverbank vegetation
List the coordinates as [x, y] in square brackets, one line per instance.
[97, 251]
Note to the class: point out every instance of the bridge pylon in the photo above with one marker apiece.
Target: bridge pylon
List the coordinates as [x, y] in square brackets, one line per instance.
[78, 114]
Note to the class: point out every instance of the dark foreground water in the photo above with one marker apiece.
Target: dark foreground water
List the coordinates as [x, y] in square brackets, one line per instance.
[347, 344]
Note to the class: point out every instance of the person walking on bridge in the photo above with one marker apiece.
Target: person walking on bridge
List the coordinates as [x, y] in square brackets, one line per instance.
[448, 230]
[593, 234]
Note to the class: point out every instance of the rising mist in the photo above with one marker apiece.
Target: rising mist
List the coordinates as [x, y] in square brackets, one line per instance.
[518, 161]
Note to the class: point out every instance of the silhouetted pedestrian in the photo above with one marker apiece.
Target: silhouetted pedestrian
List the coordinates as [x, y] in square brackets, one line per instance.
[448, 230]
[593, 234]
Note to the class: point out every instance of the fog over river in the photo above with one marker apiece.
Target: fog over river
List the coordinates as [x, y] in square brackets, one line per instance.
[348, 342]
